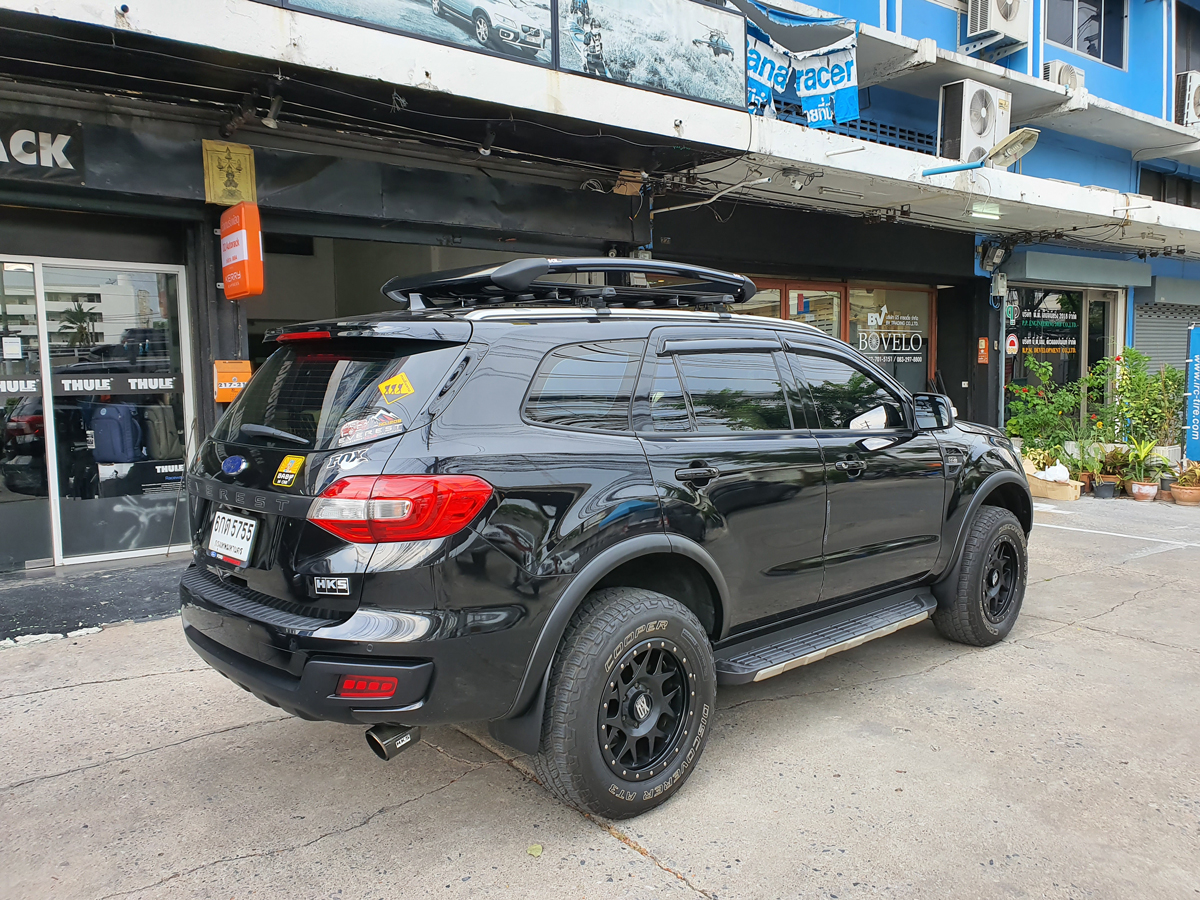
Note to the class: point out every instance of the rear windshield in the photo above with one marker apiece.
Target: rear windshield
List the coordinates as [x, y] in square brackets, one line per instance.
[331, 394]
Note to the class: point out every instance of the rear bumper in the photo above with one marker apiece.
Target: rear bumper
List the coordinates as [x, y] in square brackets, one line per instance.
[311, 696]
[458, 678]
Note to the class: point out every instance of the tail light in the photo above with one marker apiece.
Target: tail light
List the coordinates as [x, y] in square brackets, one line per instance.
[362, 688]
[34, 425]
[366, 509]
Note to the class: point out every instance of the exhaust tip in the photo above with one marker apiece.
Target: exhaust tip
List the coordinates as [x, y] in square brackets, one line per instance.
[388, 741]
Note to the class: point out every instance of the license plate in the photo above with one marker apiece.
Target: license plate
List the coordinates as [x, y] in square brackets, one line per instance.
[232, 538]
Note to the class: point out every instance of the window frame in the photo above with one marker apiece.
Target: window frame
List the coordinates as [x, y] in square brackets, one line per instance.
[1071, 48]
[578, 429]
[734, 340]
[804, 348]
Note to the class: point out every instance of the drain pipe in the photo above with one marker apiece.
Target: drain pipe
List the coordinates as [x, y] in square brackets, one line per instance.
[959, 167]
[715, 197]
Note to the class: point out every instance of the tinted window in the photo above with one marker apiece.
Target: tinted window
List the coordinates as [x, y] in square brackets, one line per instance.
[847, 397]
[317, 395]
[668, 409]
[734, 391]
[586, 385]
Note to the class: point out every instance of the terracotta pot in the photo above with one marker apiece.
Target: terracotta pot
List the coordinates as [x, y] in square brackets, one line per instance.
[1086, 478]
[1143, 490]
[1186, 496]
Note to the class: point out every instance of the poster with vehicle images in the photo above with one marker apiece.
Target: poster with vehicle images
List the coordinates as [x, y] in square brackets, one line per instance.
[517, 28]
[681, 47]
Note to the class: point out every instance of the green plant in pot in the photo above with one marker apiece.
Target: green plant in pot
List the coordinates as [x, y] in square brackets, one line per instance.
[1186, 489]
[1112, 467]
[1142, 469]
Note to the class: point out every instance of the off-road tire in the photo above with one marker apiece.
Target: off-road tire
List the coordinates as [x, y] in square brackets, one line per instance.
[611, 624]
[962, 612]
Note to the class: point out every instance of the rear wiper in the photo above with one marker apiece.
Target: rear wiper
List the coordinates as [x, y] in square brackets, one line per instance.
[268, 432]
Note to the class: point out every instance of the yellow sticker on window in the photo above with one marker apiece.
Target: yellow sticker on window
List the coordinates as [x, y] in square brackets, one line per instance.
[289, 469]
[395, 388]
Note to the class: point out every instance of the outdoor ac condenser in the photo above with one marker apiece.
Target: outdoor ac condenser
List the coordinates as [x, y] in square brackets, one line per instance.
[972, 118]
[1187, 98]
[1007, 17]
[1059, 72]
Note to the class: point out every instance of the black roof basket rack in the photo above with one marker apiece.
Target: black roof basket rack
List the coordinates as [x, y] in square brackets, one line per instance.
[517, 282]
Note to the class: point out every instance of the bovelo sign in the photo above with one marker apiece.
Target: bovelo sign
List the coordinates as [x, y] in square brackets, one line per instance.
[241, 251]
[1192, 448]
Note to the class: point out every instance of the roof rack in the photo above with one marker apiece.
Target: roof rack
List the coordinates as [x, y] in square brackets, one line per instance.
[517, 282]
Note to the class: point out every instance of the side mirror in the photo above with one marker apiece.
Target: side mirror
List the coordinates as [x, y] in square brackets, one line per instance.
[934, 412]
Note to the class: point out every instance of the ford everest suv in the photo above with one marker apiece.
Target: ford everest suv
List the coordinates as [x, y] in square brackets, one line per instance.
[570, 498]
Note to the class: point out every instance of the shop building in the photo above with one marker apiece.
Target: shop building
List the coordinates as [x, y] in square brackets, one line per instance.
[393, 141]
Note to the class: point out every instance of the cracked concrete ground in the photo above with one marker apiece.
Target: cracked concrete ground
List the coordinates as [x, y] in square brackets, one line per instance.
[1060, 764]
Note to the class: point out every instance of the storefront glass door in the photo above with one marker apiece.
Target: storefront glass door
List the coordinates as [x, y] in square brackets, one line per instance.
[892, 328]
[112, 410]
[25, 531]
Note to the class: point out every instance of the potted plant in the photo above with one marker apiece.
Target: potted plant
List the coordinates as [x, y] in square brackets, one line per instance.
[1186, 489]
[1112, 467]
[1142, 470]
[1089, 463]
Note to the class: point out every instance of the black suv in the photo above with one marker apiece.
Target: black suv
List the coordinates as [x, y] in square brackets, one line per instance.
[571, 497]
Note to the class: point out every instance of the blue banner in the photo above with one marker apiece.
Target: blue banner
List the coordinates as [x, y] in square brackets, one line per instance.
[823, 82]
[1191, 449]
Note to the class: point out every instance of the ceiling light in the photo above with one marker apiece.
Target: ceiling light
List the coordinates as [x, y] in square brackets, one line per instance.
[983, 210]
[841, 193]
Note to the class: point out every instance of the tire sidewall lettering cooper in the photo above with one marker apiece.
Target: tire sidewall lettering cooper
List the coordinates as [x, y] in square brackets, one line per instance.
[696, 730]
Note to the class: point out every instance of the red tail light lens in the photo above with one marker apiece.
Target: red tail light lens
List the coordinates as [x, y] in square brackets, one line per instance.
[358, 687]
[303, 336]
[366, 509]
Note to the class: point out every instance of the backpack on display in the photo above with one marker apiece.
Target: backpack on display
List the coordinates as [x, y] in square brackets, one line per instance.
[162, 438]
[116, 433]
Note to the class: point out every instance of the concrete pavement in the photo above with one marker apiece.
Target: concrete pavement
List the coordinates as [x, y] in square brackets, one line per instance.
[1060, 764]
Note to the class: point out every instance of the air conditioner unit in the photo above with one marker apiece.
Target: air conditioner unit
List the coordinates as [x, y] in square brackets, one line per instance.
[972, 119]
[1187, 98]
[1010, 18]
[1059, 72]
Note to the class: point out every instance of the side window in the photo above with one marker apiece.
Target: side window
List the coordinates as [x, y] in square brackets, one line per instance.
[846, 397]
[586, 385]
[734, 391]
[668, 409]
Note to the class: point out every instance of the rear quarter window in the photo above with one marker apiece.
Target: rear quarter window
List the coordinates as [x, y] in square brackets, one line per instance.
[330, 394]
[587, 386]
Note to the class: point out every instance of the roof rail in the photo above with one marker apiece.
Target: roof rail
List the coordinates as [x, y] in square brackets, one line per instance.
[517, 282]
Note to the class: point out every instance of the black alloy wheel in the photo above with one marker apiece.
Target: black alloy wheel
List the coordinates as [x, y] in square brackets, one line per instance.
[1000, 579]
[629, 704]
[979, 601]
[644, 708]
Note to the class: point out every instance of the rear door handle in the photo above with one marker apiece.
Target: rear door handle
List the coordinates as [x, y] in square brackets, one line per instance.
[699, 473]
[854, 466]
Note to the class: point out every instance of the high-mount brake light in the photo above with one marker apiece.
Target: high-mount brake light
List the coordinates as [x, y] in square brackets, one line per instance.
[303, 336]
[369, 509]
[359, 687]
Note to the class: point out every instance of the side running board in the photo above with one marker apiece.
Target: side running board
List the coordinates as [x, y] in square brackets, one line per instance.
[772, 654]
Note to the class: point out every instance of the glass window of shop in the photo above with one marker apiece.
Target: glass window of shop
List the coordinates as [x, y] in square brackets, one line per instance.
[25, 527]
[891, 327]
[118, 390]
[814, 304]
[1046, 323]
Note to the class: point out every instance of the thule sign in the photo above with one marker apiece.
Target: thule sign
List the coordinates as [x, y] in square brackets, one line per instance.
[36, 149]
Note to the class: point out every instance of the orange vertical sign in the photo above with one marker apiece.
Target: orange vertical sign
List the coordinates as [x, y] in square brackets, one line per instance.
[241, 251]
[229, 377]
[982, 358]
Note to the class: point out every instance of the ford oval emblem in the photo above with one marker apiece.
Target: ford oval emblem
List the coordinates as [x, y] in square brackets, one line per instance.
[235, 465]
